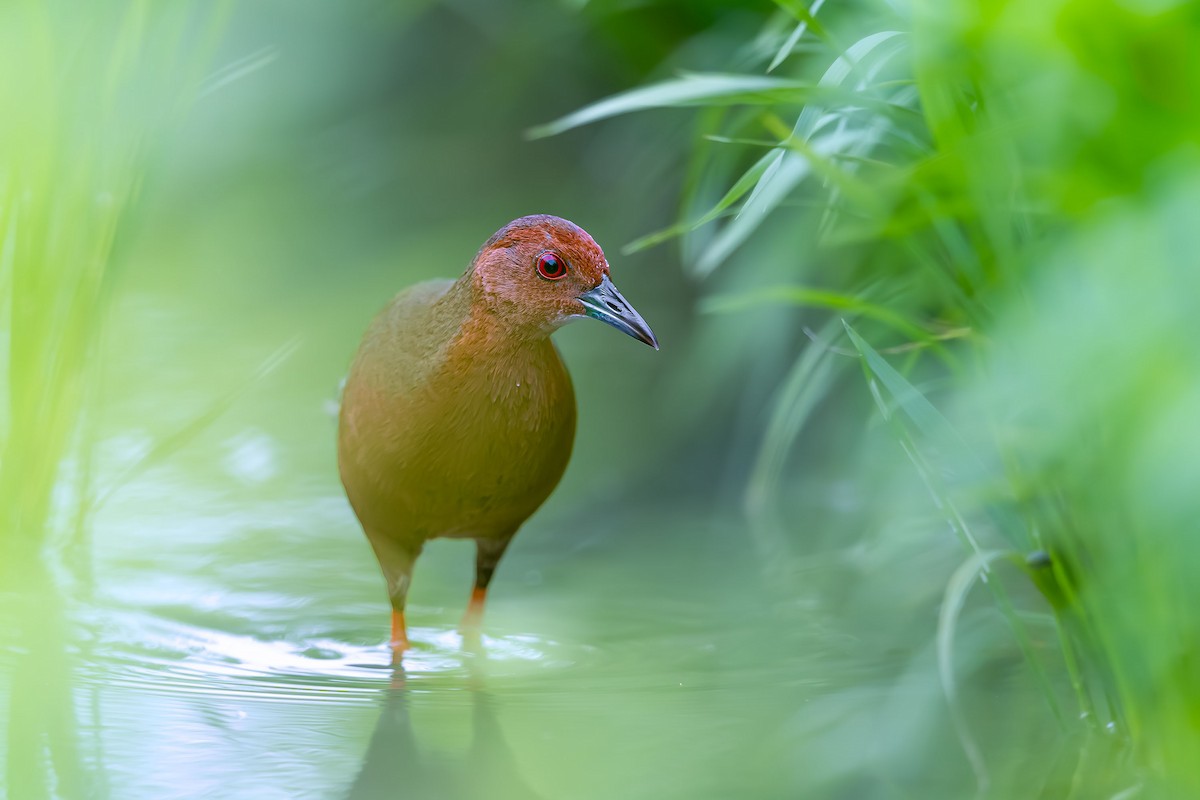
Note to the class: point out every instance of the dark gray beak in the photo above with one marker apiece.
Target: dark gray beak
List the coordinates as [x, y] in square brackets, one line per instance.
[606, 304]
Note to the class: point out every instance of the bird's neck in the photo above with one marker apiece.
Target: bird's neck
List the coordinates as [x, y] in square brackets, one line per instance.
[491, 327]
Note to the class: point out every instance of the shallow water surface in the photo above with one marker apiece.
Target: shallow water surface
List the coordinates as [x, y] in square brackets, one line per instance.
[233, 646]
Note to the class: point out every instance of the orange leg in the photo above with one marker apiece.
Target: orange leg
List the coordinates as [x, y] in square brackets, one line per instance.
[473, 619]
[399, 642]
[487, 555]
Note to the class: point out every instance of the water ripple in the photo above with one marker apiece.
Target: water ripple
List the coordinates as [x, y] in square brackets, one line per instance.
[145, 652]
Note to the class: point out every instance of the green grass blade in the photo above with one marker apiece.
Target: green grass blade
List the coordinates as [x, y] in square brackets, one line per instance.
[789, 168]
[808, 20]
[172, 443]
[955, 596]
[816, 298]
[237, 70]
[806, 384]
[927, 418]
[687, 90]
[876, 368]
[744, 184]
[783, 172]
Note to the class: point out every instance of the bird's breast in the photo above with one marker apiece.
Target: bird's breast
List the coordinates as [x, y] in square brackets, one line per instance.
[473, 448]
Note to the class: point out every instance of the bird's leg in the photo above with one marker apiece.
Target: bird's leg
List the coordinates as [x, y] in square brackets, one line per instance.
[397, 570]
[399, 640]
[487, 556]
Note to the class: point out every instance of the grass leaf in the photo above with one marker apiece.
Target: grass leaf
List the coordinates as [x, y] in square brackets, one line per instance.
[976, 566]
[927, 418]
[744, 184]
[686, 90]
[168, 445]
[807, 19]
[789, 168]
[817, 298]
[807, 383]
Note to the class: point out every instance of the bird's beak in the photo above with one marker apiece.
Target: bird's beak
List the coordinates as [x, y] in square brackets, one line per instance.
[606, 304]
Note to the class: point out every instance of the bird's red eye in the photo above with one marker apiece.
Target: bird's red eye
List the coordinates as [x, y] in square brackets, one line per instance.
[551, 266]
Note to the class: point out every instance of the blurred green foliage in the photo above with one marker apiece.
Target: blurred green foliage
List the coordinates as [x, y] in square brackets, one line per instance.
[998, 193]
[86, 98]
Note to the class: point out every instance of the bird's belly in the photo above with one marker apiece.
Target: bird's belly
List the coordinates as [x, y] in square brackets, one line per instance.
[469, 464]
[483, 484]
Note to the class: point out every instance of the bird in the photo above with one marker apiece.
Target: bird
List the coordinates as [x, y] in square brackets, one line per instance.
[458, 414]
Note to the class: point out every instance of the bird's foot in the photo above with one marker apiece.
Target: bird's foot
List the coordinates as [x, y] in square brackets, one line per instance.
[472, 621]
[471, 626]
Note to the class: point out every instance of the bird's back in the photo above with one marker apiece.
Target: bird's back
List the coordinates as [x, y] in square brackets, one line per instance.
[446, 429]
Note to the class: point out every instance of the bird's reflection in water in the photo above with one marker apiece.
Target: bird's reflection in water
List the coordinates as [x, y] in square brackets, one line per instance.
[395, 767]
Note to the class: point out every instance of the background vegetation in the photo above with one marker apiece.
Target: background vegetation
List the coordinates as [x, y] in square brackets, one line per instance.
[916, 458]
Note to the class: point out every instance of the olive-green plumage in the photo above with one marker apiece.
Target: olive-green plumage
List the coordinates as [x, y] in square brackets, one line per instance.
[458, 415]
[438, 441]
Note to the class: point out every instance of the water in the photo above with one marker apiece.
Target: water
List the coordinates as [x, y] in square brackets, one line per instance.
[242, 654]
[230, 640]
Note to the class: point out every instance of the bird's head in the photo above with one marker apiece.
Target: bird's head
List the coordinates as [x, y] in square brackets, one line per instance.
[540, 272]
